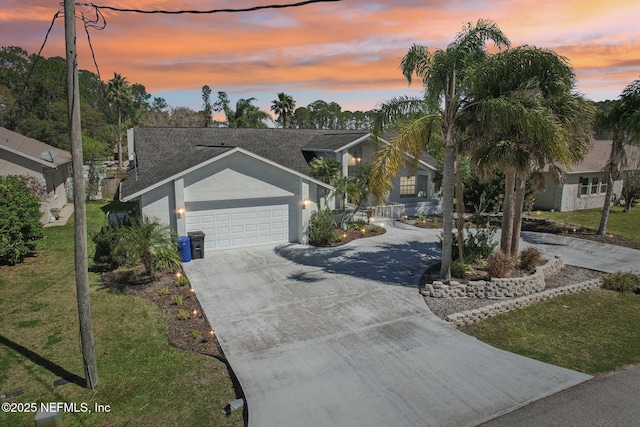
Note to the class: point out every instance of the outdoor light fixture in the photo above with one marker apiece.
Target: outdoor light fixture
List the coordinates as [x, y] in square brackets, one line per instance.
[180, 211]
[305, 202]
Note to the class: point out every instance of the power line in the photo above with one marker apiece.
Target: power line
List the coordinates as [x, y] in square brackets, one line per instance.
[203, 12]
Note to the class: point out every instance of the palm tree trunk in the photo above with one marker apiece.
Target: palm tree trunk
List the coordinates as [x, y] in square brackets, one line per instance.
[520, 185]
[119, 141]
[507, 211]
[459, 195]
[614, 159]
[447, 210]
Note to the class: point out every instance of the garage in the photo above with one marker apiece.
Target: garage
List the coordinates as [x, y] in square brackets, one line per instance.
[241, 227]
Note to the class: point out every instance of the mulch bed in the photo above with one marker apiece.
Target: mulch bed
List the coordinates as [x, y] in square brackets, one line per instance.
[350, 234]
[194, 333]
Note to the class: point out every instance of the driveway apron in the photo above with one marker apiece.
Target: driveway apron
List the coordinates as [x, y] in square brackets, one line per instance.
[341, 337]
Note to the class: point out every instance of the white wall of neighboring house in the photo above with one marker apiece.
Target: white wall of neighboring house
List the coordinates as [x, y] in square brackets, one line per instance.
[580, 190]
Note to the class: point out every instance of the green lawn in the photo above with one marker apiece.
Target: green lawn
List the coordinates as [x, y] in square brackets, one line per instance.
[626, 224]
[144, 380]
[591, 332]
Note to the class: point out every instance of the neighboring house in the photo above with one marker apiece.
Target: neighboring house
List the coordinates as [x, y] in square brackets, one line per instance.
[584, 186]
[20, 155]
[244, 187]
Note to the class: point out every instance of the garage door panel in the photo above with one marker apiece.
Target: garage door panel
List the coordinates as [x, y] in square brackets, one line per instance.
[239, 227]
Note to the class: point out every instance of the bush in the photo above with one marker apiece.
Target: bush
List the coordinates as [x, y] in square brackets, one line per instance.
[530, 258]
[460, 270]
[621, 282]
[478, 244]
[182, 281]
[359, 224]
[322, 227]
[19, 220]
[499, 265]
[166, 259]
[145, 242]
[184, 315]
[176, 300]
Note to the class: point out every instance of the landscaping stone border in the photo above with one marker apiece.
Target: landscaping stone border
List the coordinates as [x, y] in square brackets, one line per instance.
[496, 287]
[470, 317]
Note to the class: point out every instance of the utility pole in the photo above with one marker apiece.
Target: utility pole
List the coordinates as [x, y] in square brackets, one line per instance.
[80, 210]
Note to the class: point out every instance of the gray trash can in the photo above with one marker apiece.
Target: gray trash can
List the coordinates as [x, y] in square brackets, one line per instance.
[197, 244]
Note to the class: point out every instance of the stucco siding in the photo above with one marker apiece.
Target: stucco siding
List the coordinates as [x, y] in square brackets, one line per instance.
[239, 177]
[159, 203]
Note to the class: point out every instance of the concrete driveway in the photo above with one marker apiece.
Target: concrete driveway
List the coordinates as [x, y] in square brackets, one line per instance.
[341, 337]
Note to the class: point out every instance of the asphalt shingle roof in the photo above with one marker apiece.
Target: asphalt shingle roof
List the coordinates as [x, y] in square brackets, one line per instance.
[166, 152]
[33, 148]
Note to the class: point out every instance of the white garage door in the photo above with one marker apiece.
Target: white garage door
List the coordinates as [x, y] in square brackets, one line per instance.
[241, 227]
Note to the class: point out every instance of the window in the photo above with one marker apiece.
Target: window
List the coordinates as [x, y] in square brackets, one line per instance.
[594, 185]
[584, 186]
[407, 186]
[603, 187]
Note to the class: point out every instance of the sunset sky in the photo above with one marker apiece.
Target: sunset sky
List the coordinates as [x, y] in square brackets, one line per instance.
[347, 51]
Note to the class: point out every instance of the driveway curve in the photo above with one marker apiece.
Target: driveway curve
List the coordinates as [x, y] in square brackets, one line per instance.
[341, 337]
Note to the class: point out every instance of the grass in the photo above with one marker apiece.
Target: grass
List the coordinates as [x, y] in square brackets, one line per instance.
[626, 224]
[144, 380]
[592, 332]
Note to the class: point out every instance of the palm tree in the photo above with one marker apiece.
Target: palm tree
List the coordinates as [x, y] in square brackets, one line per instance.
[527, 118]
[283, 107]
[325, 169]
[119, 95]
[444, 74]
[623, 119]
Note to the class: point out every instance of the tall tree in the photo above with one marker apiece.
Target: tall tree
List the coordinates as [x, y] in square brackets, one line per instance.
[444, 74]
[246, 115]
[527, 118]
[623, 119]
[283, 107]
[119, 96]
[207, 108]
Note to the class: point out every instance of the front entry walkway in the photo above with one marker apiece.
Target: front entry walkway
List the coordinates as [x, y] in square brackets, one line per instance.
[334, 337]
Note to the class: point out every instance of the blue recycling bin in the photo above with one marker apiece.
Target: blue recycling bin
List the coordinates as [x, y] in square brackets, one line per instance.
[184, 247]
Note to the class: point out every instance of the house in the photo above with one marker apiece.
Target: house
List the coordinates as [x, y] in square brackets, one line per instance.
[246, 187]
[20, 155]
[584, 186]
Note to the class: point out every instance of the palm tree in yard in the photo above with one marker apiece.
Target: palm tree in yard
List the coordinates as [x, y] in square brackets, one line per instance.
[283, 107]
[623, 119]
[444, 73]
[527, 118]
[119, 95]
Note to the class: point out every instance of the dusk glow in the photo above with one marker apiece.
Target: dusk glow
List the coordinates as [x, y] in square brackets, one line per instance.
[347, 51]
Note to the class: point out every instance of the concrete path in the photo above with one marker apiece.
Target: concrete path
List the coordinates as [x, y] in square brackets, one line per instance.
[586, 253]
[335, 337]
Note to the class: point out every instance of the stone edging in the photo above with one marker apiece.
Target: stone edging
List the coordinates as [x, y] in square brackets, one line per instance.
[470, 317]
[496, 287]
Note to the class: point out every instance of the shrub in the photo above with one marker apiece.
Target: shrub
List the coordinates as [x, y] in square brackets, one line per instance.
[460, 270]
[145, 242]
[163, 292]
[621, 282]
[184, 314]
[182, 281]
[166, 259]
[421, 218]
[499, 264]
[176, 300]
[322, 227]
[359, 224]
[530, 258]
[196, 335]
[478, 244]
[19, 220]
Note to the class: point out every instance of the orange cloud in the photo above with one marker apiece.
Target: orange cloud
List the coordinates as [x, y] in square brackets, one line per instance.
[340, 47]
